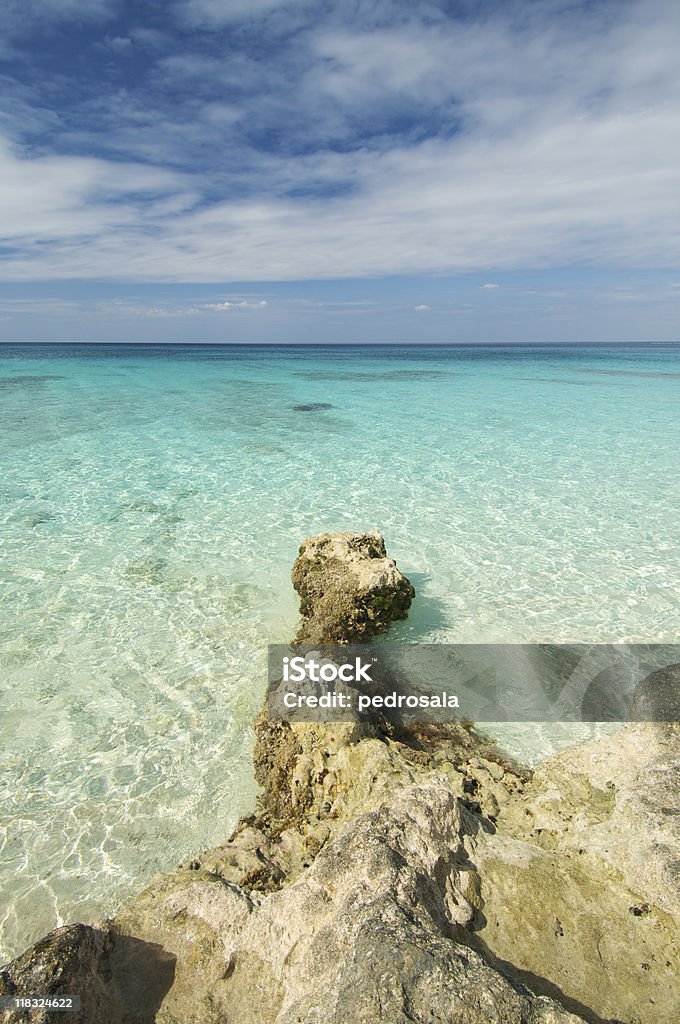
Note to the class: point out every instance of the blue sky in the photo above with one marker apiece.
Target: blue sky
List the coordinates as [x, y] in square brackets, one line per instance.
[364, 170]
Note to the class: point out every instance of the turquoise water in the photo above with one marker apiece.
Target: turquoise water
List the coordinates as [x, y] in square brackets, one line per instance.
[152, 501]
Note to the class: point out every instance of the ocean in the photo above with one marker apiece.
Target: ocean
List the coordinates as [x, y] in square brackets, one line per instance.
[152, 501]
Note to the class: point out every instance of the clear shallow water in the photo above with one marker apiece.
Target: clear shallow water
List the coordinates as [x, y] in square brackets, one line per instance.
[151, 504]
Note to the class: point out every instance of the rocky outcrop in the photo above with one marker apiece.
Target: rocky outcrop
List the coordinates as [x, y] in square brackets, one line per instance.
[366, 933]
[61, 964]
[401, 874]
[117, 978]
[349, 589]
[595, 841]
[565, 881]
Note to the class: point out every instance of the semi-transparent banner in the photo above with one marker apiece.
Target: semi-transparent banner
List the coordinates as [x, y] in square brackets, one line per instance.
[474, 682]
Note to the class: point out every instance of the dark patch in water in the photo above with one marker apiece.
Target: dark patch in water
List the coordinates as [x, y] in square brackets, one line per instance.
[147, 570]
[312, 406]
[138, 505]
[241, 383]
[395, 375]
[561, 380]
[33, 381]
[630, 373]
[38, 518]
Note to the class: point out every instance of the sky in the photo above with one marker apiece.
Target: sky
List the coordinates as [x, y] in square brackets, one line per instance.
[340, 170]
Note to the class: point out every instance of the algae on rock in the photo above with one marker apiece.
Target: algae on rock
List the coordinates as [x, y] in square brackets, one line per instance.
[349, 589]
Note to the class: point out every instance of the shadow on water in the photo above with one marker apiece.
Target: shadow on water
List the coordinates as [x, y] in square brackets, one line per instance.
[427, 613]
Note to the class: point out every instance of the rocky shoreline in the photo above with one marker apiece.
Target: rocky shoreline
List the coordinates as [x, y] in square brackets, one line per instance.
[400, 874]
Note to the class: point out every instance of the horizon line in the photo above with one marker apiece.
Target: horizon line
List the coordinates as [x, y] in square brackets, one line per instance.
[350, 344]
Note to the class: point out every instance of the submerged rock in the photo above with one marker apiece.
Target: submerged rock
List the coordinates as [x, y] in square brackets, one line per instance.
[349, 589]
[147, 570]
[312, 407]
[28, 380]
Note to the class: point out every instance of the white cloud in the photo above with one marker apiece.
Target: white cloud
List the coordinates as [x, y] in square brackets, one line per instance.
[566, 153]
[244, 304]
[119, 44]
[490, 286]
[422, 309]
[58, 200]
[596, 189]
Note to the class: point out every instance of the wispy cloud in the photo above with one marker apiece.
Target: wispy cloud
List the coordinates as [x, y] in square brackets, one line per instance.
[41, 307]
[243, 304]
[49, 202]
[119, 44]
[221, 12]
[345, 141]
[55, 306]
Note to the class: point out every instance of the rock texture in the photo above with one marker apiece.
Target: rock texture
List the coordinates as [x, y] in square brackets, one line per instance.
[63, 963]
[596, 839]
[402, 875]
[367, 933]
[349, 589]
[118, 978]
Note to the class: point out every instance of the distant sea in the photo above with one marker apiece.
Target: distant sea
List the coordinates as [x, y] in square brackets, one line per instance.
[152, 500]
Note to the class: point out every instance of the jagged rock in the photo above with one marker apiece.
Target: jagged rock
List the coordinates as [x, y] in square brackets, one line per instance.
[401, 874]
[119, 979]
[349, 589]
[60, 964]
[580, 883]
[368, 933]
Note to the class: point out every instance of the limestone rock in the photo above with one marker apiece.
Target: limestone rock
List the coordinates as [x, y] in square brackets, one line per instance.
[580, 883]
[60, 964]
[367, 935]
[119, 979]
[349, 589]
[401, 874]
